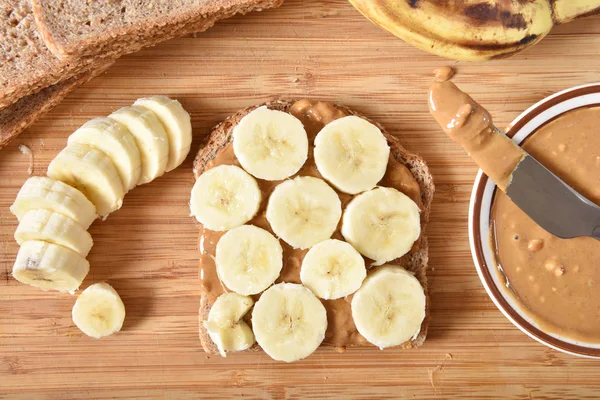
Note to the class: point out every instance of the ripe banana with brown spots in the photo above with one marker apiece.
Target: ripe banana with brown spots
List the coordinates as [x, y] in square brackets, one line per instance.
[473, 30]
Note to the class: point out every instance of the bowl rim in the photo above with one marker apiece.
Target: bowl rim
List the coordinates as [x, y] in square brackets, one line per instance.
[477, 243]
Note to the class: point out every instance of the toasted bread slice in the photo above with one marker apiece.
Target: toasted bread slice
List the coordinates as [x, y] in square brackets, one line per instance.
[416, 261]
[18, 116]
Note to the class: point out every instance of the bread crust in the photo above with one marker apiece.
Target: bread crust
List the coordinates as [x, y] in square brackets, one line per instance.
[222, 134]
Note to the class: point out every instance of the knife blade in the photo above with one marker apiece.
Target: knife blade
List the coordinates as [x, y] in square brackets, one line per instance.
[551, 203]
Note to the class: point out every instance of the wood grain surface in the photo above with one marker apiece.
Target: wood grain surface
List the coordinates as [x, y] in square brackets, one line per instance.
[148, 249]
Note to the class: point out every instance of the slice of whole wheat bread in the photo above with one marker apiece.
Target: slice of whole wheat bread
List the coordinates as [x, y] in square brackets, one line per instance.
[27, 65]
[18, 116]
[73, 28]
[222, 135]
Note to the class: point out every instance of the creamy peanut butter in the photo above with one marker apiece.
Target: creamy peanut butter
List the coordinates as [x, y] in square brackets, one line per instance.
[442, 74]
[341, 330]
[470, 125]
[557, 281]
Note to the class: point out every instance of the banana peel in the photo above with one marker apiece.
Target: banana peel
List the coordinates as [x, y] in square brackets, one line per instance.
[473, 30]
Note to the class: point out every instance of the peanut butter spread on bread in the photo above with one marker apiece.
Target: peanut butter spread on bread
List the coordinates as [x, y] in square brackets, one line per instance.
[341, 330]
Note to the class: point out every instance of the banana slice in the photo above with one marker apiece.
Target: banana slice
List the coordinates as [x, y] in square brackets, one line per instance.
[270, 144]
[333, 269]
[116, 142]
[389, 307]
[289, 322]
[225, 325]
[41, 192]
[49, 266]
[150, 138]
[304, 211]
[93, 173]
[382, 224]
[177, 124]
[352, 154]
[55, 228]
[224, 198]
[248, 259]
[99, 311]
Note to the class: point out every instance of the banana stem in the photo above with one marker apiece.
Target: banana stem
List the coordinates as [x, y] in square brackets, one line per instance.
[564, 11]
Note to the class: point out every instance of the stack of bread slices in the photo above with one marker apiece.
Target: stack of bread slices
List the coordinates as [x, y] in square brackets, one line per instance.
[48, 48]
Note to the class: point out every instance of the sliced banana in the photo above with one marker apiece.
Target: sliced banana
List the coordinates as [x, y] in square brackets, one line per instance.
[177, 124]
[270, 144]
[45, 193]
[224, 198]
[352, 154]
[99, 311]
[49, 266]
[150, 138]
[116, 142]
[289, 322]
[304, 211]
[248, 259]
[389, 307]
[93, 173]
[333, 269]
[382, 224]
[225, 325]
[55, 228]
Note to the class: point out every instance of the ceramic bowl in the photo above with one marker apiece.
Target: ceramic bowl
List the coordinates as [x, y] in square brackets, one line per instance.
[479, 219]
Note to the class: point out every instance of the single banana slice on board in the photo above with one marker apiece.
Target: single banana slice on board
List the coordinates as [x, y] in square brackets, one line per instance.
[270, 144]
[382, 224]
[333, 269]
[177, 124]
[352, 154]
[150, 138]
[248, 259]
[49, 266]
[304, 211]
[45, 193]
[116, 142]
[99, 311]
[93, 173]
[225, 325]
[289, 322]
[389, 307]
[55, 228]
[224, 198]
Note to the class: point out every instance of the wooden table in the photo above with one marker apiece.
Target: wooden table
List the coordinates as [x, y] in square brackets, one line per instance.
[147, 250]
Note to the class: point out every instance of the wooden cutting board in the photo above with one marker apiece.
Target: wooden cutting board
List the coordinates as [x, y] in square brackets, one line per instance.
[148, 250]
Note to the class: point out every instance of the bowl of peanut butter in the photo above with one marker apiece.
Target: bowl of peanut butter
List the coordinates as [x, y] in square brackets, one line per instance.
[546, 286]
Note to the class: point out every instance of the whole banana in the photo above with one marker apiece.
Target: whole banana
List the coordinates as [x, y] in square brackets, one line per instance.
[473, 30]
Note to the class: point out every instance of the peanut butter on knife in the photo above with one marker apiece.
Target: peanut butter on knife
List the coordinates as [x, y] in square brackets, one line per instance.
[470, 125]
